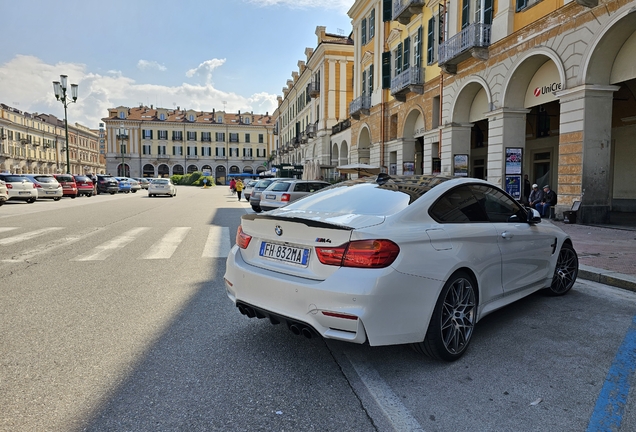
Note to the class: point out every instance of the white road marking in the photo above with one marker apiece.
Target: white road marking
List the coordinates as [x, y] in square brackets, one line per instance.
[105, 250]
[5, 229]
[390, 404]
[27, 236]
[64, 241]
[218, 243]
[165, 247]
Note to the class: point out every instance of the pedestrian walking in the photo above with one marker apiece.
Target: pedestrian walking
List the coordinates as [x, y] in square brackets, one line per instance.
[239, 188]
[233, 186]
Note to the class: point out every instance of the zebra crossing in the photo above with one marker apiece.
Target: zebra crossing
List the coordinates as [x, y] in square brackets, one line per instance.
[217, 243]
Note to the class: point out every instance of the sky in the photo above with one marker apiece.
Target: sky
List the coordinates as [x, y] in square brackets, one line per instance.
[192, 54]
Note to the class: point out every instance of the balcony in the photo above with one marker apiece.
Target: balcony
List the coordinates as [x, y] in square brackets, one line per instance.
[403, 10]
[163, 157]
[473, 41]
[217, 157]
[122, 137]
[248, 158]
[409, 81]
[192, 157]
[360, 106]
[275, 131]
[314, 89]
[310, 131]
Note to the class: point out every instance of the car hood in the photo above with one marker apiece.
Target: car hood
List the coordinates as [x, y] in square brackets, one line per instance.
[345, 220]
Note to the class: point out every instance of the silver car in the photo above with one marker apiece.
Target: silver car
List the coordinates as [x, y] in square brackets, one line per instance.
[4, 192]
[247, 190]
[281, 193]
[48, 187]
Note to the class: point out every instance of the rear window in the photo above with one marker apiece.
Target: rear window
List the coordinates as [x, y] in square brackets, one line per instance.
[65, 178]
[82, 178]
[45, 179]
[280, 187]
[160, 181]
[366, 197]
[263, 183]
[14, 178]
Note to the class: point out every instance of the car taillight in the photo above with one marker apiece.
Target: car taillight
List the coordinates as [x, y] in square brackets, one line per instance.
[360, 253]
[9, 186]
[37, 185]
[284, 197]
[242, 239]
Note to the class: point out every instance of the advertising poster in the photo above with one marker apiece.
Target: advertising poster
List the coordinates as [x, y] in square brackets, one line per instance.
[409, 168]
[460, 165]
[513, 160]
[513, 186]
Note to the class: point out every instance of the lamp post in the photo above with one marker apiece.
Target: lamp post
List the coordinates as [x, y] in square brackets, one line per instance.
[227, 155]
[122, 133]
[59, 87]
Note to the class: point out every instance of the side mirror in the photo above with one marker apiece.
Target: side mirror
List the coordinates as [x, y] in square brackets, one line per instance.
[533, 216]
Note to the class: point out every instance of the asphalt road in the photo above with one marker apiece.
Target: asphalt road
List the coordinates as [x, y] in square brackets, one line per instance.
[113, 317]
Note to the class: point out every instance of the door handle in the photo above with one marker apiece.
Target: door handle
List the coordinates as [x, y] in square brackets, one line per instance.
[507, 235]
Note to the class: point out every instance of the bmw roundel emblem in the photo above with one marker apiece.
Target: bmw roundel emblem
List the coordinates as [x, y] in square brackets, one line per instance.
[278, 230]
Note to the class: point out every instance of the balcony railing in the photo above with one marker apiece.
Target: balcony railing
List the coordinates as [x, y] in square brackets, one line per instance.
[473, 40]
[409, 81]
[359, 106]
[310, 131]
[163, 156]
[192, 157]
[314, 89]
[403, 10]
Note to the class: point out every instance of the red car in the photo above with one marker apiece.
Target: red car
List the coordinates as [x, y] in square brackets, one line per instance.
[84, 185]
[69, 186]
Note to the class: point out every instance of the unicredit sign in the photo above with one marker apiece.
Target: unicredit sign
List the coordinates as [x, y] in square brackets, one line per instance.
[547, 89]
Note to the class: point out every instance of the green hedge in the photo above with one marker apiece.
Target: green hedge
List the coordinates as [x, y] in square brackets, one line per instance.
[194, 179]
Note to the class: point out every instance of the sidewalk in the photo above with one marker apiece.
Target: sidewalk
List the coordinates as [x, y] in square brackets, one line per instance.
[606, 254]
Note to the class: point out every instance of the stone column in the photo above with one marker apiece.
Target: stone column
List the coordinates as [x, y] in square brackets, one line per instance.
[506, 128]
[585, 152]
[455, 140]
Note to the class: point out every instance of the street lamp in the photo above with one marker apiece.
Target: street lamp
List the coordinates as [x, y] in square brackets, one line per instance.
[122, 135]
[59, 87]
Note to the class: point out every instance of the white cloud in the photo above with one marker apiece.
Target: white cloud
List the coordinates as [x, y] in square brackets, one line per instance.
[28, 81]
[205, 69]
[146, 64]
[340, 5]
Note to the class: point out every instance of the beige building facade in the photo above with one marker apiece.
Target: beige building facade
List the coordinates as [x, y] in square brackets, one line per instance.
[33, 143]
[507, 88]
[315, 102]
[158, 142]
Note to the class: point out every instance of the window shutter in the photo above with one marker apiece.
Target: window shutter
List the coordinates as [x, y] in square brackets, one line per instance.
[174, 150]
[386, 70]
[370, 80]
[372, 24]
[364, 83]
[407, 53]
[398, 59]
[363, 30]
[387, 14]
[430, 49]
[465, 13]
[487, 12]
[417, 60]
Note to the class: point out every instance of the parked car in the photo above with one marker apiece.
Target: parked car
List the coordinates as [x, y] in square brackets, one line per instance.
[395, 260]
[19, 188]
[259, 187]
[68, 184]
[4, 192]
[249, 186]
[162, 186]
[84, 185]
[281, 193]
[47, 185]
[143, 182]
[107, 184]
[124, 184]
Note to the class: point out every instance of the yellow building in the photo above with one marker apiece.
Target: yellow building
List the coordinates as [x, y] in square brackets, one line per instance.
[314, 103]
[151, 142]
[33, 143]
[544, 88]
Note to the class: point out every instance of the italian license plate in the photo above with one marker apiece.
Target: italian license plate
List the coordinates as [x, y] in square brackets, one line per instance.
[285, 253]
[25, 193]
[50, 192]
[270, 196]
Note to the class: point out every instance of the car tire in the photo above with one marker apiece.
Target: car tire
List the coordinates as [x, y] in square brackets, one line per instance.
[453, 321]
[57, 198]
[150, 195]
[257, 209]
[565, 271]
[89, 195]
[134, 191]
[113, 193]
[31, 200]
[73, 196]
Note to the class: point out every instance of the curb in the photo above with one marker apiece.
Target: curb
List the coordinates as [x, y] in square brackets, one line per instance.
[608, 277]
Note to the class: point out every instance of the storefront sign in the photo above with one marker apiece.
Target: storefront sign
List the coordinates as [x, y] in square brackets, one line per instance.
[543, 84]
[513, 186]
[513, 160]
